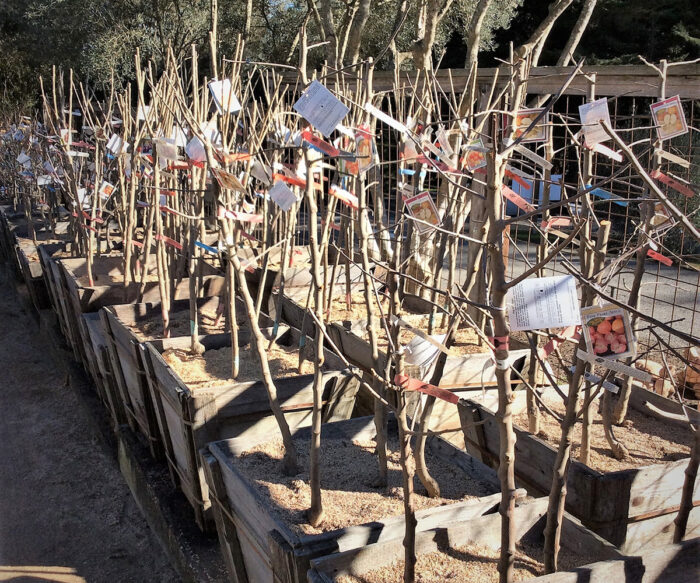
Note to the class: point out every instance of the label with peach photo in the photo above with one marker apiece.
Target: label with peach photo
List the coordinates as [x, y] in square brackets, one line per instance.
[608, 332]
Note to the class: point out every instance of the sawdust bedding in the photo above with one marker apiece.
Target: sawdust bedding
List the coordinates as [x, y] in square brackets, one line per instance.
[348, 471]
[469, 563]
[648, 440]
[213, 368]
[152, 328]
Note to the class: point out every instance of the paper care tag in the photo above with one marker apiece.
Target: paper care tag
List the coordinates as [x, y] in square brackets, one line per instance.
[544, 302]
[282, 195]
[321, 108]
[591, 115]
[224, 99]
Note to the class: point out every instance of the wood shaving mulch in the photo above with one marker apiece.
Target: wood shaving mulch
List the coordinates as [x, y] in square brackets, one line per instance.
[152, 328]
[649, 440]
[213, 368]
[348, 473]
[470, 563]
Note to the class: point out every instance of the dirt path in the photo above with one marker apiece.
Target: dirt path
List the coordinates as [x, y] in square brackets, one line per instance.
[66, 513]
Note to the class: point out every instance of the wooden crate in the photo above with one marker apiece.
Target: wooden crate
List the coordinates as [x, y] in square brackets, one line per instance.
[101, 367]
[80, 298]
[529, 519]
[633, 508]
[188, 420]
[52, 276]
[127, 364]
[32, 272]
[259, 547]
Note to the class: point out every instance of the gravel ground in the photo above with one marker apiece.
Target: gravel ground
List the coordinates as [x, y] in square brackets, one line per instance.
[66, 513]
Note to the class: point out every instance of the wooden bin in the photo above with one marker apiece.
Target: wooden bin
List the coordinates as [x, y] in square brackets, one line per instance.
[32, 270]
[633, 508]
[52, 277]
[259, 547]
[529, 519]
[80, 298]
[189, 419]
[127, 362]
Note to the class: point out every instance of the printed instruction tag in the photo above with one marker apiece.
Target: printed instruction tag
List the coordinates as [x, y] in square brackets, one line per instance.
[591, 115]
[224, 99]
[321, 108]
[544, 302]
[282, 196]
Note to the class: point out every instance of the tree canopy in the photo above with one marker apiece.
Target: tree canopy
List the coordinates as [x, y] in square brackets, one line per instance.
[98, 39]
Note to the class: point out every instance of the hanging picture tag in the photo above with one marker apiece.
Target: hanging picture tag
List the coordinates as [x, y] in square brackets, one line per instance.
[106, 190]
[675, 184]
[321, 108]
[383, 117]
[544, 302]
[669, 118]
[223, 96]
[475, 155]
[365, 151]
[608, 331]
[523, 119]
[282, 196]
[423, 208]
[591, 115]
